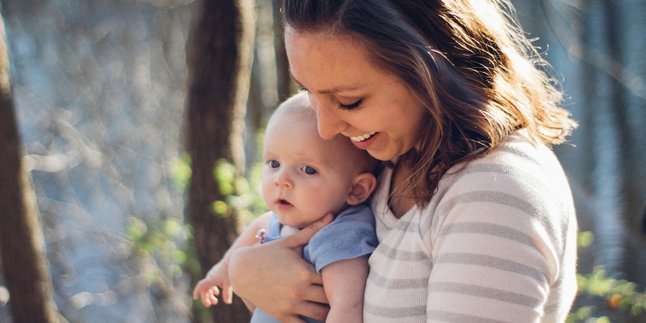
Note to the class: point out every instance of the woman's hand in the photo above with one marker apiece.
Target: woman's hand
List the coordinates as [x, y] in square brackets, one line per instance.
[275, 278]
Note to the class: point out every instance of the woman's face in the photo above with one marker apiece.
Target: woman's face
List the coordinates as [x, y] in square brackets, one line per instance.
[352, 96]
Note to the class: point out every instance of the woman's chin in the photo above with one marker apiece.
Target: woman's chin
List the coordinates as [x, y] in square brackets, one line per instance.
[382, 155]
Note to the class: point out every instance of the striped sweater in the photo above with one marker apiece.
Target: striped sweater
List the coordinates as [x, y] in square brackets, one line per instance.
[496, 243]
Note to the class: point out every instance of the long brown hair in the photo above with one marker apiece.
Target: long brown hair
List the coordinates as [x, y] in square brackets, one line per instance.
[478, 76]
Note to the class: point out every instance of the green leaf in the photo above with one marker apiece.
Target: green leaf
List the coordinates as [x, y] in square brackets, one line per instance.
[180, 171]
[219, 208]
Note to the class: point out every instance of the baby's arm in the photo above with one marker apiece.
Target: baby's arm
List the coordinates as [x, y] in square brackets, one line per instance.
[344, 283]
[218, 276]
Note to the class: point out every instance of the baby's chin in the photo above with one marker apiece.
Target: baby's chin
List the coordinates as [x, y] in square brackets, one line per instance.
[288, 219]
[291, 221]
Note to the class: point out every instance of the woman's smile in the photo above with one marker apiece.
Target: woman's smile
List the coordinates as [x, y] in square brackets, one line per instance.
[364, 141]
[362, 137]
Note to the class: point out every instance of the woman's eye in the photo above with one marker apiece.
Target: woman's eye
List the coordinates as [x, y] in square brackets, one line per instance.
[273, 163]
[309, 170]
[351, 106]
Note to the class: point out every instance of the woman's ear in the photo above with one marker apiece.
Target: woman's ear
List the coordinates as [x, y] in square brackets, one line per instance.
[362, 186]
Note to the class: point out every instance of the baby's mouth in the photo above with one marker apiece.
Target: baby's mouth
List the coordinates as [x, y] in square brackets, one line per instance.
[283, 202]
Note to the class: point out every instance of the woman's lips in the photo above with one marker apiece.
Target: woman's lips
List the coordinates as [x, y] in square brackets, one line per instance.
[362, 137]
[366, 141]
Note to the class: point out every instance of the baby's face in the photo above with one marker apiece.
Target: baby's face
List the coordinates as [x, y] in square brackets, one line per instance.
[304, 177]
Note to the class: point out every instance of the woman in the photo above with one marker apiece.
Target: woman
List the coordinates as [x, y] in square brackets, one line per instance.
[474, 214]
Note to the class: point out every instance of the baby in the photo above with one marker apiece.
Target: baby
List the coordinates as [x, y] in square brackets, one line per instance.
[304, 178]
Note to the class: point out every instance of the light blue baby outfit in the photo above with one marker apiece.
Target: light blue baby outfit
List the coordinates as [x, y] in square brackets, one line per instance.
[351, 234]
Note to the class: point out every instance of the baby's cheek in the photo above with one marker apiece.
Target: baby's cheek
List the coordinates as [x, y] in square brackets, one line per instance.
[312, 200]
[326, 202]
[316, 204]
[266, 192]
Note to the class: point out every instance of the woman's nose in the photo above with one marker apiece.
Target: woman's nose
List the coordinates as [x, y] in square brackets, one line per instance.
[329, 125]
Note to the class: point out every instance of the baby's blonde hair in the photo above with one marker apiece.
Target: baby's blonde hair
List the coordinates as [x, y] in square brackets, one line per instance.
[298, 108]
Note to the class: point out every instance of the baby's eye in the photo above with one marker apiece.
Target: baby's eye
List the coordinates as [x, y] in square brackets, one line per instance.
[273, 163]
[302, 88]
[309, 170]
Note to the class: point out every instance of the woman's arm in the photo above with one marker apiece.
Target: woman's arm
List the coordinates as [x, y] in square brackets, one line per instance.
[505, 245]
[345, 282]
[274, 277]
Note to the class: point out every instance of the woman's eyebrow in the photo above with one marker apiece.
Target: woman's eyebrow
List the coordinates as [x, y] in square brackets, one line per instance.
[331, 90]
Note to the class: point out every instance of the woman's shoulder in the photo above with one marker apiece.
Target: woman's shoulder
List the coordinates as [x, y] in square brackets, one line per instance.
[518, 159]
[517, 170]
[518, 151]
[517, 192]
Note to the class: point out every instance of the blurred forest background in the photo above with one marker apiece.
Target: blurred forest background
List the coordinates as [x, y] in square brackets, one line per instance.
[137, 124]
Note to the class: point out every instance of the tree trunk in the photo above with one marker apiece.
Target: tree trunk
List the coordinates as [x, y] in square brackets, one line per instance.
[219, 66]
[286, 86]
[21, 242]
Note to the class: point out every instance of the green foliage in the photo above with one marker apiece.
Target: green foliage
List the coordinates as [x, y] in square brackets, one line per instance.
[160, 239]
[614, 294]
[240, 194]
[225, 175]
[180, 171]
[219, 208]
[585, 239]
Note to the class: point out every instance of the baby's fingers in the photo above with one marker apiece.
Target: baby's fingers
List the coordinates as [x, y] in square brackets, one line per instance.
[197, 291]
[209, 297]
[227, 294]
[201, 287]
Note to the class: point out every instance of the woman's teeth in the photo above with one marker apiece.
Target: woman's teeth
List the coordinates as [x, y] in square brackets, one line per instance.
[362, 137]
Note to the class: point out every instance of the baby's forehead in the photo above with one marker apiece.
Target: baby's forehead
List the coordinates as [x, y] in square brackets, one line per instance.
[340, 154]
[338, 150]
[294, 112]
[297, 115]
[303, 140]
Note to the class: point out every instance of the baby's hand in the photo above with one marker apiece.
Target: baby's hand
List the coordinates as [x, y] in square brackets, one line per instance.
[207, 288]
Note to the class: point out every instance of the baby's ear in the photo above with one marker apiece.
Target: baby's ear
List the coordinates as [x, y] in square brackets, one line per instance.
[362, 186]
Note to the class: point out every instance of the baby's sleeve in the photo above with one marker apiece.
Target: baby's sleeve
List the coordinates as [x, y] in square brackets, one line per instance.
[350, 235]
